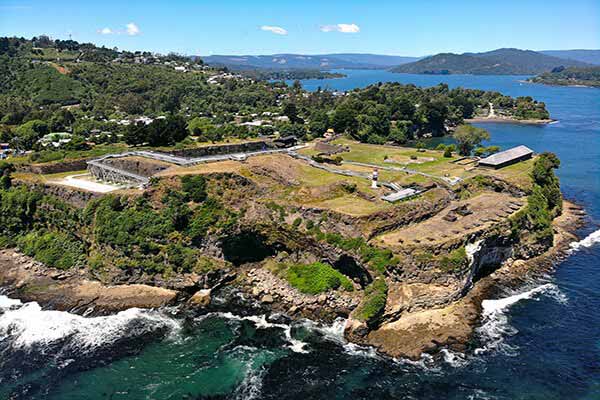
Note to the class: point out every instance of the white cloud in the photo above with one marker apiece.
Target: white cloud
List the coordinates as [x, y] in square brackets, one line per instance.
[275, 29]
[343, 28]
[132, 29]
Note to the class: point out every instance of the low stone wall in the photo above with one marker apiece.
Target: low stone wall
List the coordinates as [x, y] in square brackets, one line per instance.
[55, 167]
[222, 149]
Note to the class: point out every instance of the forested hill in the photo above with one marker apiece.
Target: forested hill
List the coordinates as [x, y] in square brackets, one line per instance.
[573, 76]
[586, 56]
[103, 96]
[302, 61]
[496, 62]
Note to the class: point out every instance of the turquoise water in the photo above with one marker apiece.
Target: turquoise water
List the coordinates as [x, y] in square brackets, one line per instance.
[541, 342]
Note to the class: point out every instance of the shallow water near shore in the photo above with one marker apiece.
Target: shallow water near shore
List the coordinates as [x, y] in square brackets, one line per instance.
[539, 342]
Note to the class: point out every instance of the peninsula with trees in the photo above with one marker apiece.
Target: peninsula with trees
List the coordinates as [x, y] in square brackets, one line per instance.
[134, 179]
[570, 76]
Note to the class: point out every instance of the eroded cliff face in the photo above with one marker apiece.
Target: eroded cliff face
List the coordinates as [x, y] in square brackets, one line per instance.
[423, 318]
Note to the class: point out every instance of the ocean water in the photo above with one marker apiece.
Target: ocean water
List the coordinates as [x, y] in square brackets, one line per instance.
[539, 342]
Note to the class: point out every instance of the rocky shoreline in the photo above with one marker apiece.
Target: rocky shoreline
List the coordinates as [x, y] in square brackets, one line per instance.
[28, 280]
[415, 332]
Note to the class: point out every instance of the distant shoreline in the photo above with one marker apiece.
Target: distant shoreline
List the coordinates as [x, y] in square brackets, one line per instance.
[560, 84]
[511, 121]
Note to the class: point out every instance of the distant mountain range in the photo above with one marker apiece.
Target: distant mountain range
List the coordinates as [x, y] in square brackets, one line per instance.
[496, 62]
[587, 56]
[301, 61]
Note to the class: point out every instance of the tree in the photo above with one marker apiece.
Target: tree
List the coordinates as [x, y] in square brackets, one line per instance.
[344, 119]
[5, 170]
[399, 134]
[199, 126]
[290, 110]
[27, 135]
[77, 143]
[61, 120]
[319, 123]
[135, 134]
[287, 129]
[469, 136]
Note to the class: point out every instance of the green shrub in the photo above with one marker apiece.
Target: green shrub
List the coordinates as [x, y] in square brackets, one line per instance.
[317, 278]
[194, 187]
[373, 303]
[454, 260]
[6, 169]
[376, 258]
[54, 249]
[271, 205]
[297, 222]
[18, 208]
[211, 216]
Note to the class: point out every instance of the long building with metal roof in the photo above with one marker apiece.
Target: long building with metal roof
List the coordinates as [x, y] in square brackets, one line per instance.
[507, 157]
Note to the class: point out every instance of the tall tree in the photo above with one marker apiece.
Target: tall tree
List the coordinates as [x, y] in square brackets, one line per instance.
[468, 137]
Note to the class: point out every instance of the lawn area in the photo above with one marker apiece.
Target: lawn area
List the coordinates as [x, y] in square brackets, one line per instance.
[429, 161]
[311, 176]
[518, 174]
[308, 151]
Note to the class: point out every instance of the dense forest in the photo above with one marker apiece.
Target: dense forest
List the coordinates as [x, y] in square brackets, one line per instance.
[62, 86]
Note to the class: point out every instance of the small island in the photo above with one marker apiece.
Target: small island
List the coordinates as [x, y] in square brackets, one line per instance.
[570, 76]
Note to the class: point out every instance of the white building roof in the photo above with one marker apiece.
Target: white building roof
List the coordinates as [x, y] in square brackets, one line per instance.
[506, 155]
[401, 194]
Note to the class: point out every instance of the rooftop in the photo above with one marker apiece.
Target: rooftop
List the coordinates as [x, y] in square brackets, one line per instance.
[506, 155]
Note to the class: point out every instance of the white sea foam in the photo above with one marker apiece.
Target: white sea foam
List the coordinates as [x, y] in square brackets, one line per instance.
[589, 241]
[7, 302]
[29, 325]
[260, 321]
[361, 351]
[333, 332]
[454, 359]
[496, 328]
[426, 363]
[251, 386]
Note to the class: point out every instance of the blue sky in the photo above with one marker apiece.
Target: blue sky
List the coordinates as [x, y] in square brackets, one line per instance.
[401, 27]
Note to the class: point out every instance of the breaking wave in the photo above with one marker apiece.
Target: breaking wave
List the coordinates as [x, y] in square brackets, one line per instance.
[589, 241]
[496, 326]
[27, 325]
